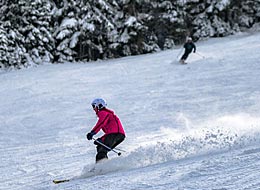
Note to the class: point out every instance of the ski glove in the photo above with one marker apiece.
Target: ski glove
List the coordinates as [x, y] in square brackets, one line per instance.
[90, 135]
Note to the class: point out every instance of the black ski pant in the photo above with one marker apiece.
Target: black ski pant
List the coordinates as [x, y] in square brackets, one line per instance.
[111, 140]
[185, 55]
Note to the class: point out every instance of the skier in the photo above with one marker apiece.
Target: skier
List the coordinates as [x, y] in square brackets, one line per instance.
[188, 46]
[110, 125]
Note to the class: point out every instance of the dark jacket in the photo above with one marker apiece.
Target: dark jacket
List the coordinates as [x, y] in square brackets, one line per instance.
[189, 46]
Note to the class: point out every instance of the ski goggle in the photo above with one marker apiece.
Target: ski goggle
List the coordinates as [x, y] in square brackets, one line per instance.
[93, 106]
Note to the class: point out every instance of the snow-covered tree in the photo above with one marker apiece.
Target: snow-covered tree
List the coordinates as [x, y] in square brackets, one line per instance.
[97, 29]
[28, 26]
[37, 31]
[67, 29]
[36, 27]
[12, 54]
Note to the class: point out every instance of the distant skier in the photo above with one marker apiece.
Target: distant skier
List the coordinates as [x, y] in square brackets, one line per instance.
[188, 46]
[110, 125]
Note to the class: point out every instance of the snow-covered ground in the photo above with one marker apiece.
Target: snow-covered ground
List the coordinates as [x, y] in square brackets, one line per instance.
[194, 126]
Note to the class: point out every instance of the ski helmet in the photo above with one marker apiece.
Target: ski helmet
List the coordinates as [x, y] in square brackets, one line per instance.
[189, 39]
[99, 103]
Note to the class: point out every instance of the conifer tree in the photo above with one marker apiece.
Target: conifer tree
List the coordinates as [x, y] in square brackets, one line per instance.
[38, 31]
[36, 26]
[12, 52]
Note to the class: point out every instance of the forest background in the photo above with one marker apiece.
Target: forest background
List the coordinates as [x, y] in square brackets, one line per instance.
[35, 32]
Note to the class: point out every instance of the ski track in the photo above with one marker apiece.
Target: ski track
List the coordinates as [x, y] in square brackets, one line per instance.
[198, 124]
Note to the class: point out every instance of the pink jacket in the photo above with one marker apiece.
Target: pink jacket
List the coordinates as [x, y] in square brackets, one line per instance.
[108, 122]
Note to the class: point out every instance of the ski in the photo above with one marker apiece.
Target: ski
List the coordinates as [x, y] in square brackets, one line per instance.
[60, 181]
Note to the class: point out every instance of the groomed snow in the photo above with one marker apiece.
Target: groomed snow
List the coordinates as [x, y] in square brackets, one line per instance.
[194, 126]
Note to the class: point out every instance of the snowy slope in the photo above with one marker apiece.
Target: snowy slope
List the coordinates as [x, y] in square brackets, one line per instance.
[192, 126]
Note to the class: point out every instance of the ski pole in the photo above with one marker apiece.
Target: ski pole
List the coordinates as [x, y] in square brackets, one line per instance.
[102, 144]
[179, 54]
[200, 55]
[119, 149]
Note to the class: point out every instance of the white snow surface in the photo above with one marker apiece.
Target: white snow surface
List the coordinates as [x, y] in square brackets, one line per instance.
[194, 126]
